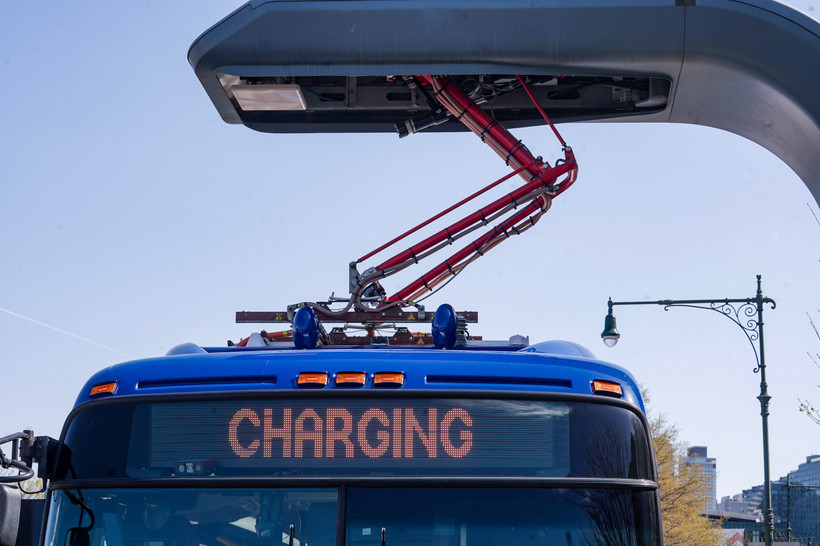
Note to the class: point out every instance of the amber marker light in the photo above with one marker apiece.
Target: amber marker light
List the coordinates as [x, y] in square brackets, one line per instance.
[312, 379]
[388, 379]
[599, 386]
[350, 379]
[103, 388]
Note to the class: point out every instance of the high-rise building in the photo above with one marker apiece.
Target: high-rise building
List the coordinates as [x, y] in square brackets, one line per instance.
[805, 501]
[798, 505]
[708, 467]
[807, 473]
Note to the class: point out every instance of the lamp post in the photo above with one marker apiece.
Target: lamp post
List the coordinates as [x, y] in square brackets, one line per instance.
[747, 313]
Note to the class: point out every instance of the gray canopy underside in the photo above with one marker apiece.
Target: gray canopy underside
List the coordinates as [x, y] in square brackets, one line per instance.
[748, 67]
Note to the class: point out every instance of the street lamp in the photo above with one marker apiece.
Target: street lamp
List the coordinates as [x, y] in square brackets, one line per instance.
[748, 315]
[610, 335]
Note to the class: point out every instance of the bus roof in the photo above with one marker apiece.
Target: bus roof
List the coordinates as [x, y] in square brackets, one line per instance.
[560, 367]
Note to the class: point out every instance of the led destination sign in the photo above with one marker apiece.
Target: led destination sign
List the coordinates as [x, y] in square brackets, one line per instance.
[373, 433]
[344, 436]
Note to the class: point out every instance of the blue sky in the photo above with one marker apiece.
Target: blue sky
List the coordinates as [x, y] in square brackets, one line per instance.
[133, 217]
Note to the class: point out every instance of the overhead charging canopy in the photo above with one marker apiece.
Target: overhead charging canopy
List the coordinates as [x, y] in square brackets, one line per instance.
[750, 67]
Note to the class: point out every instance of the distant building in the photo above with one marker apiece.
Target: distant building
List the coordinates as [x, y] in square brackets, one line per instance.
[801, 503]
[807, 473]
[735, 505]
[708, 467]
[805, 509]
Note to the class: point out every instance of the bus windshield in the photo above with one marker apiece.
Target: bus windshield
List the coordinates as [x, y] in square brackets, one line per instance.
[360, 516]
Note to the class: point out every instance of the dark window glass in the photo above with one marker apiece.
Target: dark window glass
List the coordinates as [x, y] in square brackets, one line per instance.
[193, 517]
[490, 517]
[374, 516]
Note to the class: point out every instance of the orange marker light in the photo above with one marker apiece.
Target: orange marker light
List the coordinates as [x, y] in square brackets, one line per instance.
[103, 388]
[350, 379]
[599, 386]
[312, 379]
[388, 379]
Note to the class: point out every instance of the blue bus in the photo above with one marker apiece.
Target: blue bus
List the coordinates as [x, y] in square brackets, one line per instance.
[489, 443]
[415, 440]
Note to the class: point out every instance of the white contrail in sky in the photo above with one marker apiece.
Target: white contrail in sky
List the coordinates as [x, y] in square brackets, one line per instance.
[43, 324]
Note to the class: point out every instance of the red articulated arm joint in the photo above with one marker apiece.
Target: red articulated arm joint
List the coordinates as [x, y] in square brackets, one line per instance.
[541, 187]
[504, 143]
[462, 107]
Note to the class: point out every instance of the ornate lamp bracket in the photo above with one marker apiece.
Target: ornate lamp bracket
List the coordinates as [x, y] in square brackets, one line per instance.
[745, 313]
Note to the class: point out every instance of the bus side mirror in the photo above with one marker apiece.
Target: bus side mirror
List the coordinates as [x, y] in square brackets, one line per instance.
[10, 500]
